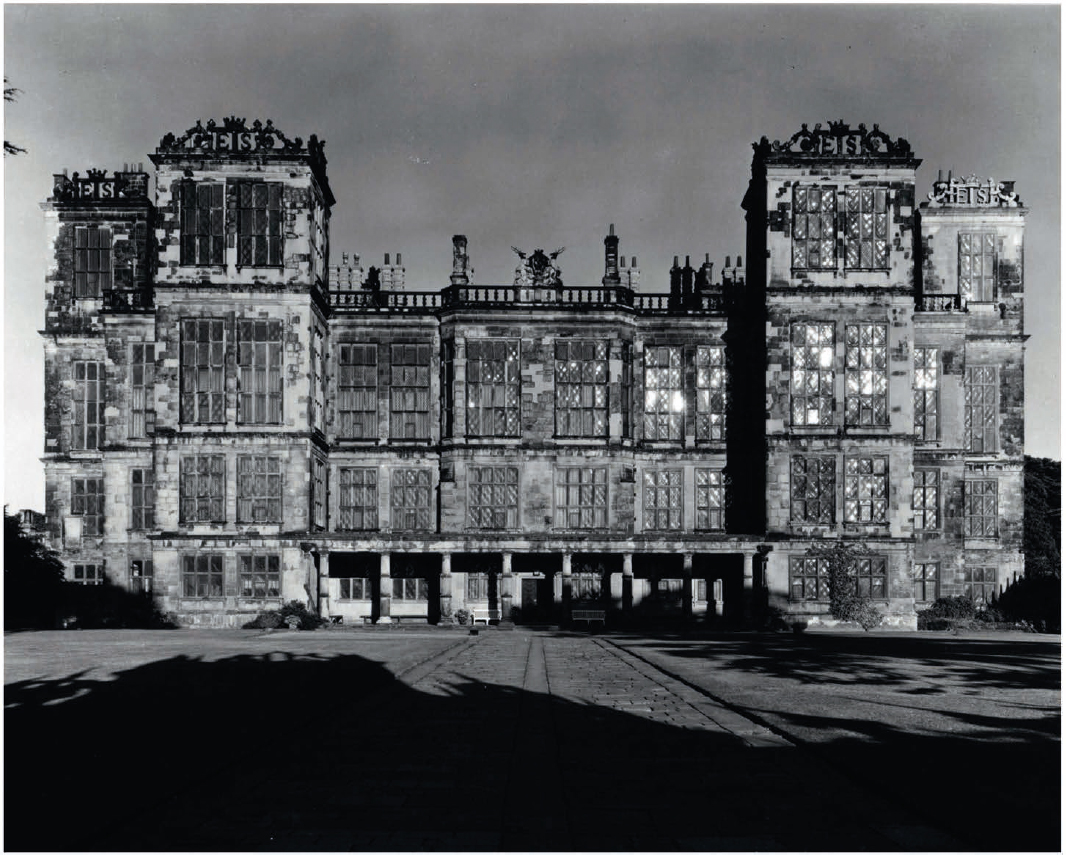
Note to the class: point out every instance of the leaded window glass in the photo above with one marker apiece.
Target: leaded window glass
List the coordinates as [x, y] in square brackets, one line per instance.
[710, 499]
[142, 387]
[203, 371]
[664, 397]
[926, 581]
[866, 490]
[477, 586]
[357, 391]
[356, 588]
[980, 507]
[493, 387]
[493, 499]
[142, 499]
[710, 393]
[92, 261]
[813, 361]
[586, 587]
[87, 502]
[580, 388]
[259, 224]
[202, 496]
[142, 572]
[410, 589]
[926, 502]
[663, 499]
[88, 405]
[977, 266]
[203, 231]
[259, 575]
[813, 489]
[866, 374]
[259, 362]
[358, 500]
[979, 584]
[411, 499]
[201, 575]
[980, 414]
[866, 233]
[89, 574]
[871, 577]
[318, 491]
[809, 577]
[814, 228]
[926, 393]
[258, 489]
[581, 497]
[409, 391]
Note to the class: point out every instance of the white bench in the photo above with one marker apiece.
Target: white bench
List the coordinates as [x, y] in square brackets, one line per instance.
[589, 615]
[485, 614]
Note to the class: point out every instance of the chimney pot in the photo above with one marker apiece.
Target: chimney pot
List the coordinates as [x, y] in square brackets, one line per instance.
[675, 261]
[399, 262]
[386, 258]
[739, 262]
[612, 230]
[727, 261]
[706, 258]
[687, 262]
[633, 262]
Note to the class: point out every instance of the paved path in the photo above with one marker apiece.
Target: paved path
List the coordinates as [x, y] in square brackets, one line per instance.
[505, 741]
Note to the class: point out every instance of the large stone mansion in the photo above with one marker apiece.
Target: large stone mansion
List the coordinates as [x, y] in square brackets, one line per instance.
[237, 417]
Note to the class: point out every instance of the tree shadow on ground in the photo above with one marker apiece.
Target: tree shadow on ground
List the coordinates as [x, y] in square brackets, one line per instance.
[290, 751]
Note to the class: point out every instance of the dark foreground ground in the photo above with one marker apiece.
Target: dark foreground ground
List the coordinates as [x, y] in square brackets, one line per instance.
[410, 740]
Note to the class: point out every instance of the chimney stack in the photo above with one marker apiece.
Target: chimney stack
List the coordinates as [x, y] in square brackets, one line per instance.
[460, 261]
[610, 262]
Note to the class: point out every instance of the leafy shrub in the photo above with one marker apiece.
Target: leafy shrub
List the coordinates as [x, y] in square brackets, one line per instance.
[928, 622]
[463, 616]
[954, 608]
[865, 614]
[293, 609]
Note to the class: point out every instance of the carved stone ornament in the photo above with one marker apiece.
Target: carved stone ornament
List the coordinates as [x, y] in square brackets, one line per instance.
[973, 192]
[233, 136]
[838, 140]
[96, 186]
[538, 269]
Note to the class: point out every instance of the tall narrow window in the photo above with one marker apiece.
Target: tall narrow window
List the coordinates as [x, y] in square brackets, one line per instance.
[203, 231]
[866, 374]
[980, 418]
[92, 261]
[813, 489]
[259, 575]
[926, 393]
[814, 235]
[926, 502]
[142, 499]
[664, 397]
[493, 387]
[316, 404]
[663, 500]
[493, 497]
[867, 228]
[203, 371]
[980, 507]
[627, 389]
[357, 391]
[142, 573]
[142, 385]
[710, 499]
[580, 497]
[358, 500]
[866, 490]
[259, 225]
[201, 575]
[809, 577]
[202, 496]
[318, 492]
[813, 360]
[258, 489]
[87, 502]
[977, 266]
[447, 388]
[409, 391]
[411, 500]
[88, 405]
[710, 393]
[926, 581]
[259, 361]
[580, 388]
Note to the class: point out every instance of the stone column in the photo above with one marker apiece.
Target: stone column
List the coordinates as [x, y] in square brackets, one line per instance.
[686, 585]
[568, 590]
[749, 583]
[627, 582]
[323, 583]
[506, 589]
[447, 617]
[385, 594]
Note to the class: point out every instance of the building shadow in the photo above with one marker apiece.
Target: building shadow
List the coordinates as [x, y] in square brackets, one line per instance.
[294, 751]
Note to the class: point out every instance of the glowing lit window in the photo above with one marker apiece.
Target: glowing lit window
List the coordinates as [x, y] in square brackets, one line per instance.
[813, 361]
[664, 398]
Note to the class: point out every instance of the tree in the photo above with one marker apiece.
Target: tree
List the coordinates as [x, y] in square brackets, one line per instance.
[1043, 517]
[34, 586]
[845, 602]
[11, 94]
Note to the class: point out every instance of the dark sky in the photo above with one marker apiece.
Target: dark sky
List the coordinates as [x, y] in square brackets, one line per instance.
[535, 126]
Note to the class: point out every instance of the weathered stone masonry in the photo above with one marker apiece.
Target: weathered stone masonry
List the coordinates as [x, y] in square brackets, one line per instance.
[234, 420]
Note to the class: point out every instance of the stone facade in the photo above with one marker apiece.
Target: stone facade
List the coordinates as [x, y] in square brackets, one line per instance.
[234, 419]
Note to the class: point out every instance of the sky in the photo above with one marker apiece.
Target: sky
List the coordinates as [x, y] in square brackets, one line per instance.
[531, 126]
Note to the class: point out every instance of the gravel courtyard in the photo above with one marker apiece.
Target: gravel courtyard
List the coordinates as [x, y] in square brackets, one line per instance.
[426, 739]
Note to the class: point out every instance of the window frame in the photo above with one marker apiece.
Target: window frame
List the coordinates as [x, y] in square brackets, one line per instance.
[981, 507]
[357, 391]
[247, 570]
[89, 504]
[366, 583]
[824, 486]
[260, 372]
[987, 286]
[410, 386]
[710, 499]
[872, 202]
[807, 361]
[93, 262]
[813, 572]
[348, 490]
[207, 569]
[202, 495]
[203, 226]
[91, 573]
[494, 388]
[260, 223]
[710, 393]
[142, 498]
[862, 488]
[484, 485]
[413, 589]
[923, 574]
[88, 400]
[581, 400]
[981, 408]
[926, 499]
[804, 246]
[142, 389]
[926, 385]
[986, 585]
[254, 504]
[664, 393]
[407, 484]
[590, 505]
[657, 499]
[203, 362]
[866, 362]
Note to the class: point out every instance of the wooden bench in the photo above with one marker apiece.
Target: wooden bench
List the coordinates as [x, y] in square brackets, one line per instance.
[484, 614]
[589, 615]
